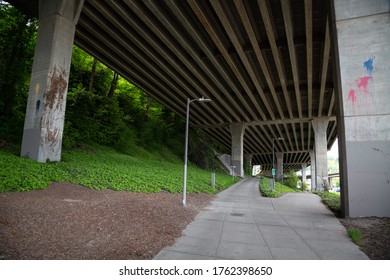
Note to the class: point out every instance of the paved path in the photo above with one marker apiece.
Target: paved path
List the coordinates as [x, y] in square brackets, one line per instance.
[240, 224]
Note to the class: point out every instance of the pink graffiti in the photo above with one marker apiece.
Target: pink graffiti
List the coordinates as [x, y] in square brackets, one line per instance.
[362, 83]
[352, 96]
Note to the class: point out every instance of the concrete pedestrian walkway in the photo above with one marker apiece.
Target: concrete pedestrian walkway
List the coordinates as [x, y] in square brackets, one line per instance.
[240, 224]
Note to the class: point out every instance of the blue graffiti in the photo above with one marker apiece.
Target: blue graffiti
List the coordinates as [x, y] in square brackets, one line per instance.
[38, 105]
[369, 65]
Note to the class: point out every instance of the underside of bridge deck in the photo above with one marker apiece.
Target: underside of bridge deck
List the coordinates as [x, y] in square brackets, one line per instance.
[265, 64]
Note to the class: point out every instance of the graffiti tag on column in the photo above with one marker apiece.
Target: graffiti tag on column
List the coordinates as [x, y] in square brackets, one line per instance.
[362, 84]
[361, 90]
[369, 65]
[352, 96]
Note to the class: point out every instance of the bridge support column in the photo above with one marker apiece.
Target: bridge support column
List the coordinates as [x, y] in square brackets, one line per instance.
[362, 55]
[45, 113]
[320, 126]
[237, 131]
[279, 167]
[248, 159]
[304, 165]
[313, 171]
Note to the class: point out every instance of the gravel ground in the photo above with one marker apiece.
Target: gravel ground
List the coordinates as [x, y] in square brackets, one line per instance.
[67, 221]
[375, 232]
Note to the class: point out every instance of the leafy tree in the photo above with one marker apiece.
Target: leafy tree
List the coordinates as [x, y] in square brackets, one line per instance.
[333, 165]
[17, 43]
[202, 150]
[291, 179]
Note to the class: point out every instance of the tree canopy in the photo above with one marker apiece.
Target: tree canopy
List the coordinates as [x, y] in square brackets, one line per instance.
[17, 43]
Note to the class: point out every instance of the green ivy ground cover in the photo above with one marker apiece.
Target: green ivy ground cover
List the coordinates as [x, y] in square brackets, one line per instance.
[104, 168]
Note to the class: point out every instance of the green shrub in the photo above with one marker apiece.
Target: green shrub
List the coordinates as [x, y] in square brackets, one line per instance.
[265, 189]
[304, 186]
[127, 141]
[291, 179]
[332, 200]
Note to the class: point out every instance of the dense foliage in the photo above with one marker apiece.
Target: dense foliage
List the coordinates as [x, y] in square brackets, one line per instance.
[100, 167]
[106, 109]
[17, 43]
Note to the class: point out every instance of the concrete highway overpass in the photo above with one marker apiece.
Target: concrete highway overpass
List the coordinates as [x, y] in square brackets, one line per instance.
[302, 70]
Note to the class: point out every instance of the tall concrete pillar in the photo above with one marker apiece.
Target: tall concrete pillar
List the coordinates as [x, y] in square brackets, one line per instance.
[304, 165]
[362, 55]
[313, 171]
[237, 132]
[45, 113]
[279, 167]
[248, 159]
[320, 126]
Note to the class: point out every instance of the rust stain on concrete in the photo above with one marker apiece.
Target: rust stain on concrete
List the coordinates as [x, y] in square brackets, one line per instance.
[52, 117]
[52, 136]
[56, 91]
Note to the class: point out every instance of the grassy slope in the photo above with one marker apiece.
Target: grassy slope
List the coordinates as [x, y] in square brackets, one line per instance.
[279, 188]
[105, 168]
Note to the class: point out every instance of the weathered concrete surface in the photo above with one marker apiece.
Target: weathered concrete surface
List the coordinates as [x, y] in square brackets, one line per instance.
[45, 113]
[313, 170]
[237, 132]
[320, 126]
[363, 37]
[225, 161]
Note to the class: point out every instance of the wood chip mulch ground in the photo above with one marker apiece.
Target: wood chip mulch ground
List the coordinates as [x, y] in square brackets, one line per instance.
[67, 221]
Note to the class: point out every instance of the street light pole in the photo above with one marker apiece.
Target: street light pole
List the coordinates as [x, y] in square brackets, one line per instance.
[273, 164]
[189, 101]
[186, 153]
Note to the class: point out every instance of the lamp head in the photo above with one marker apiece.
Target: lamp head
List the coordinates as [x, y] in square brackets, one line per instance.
[202, 99]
